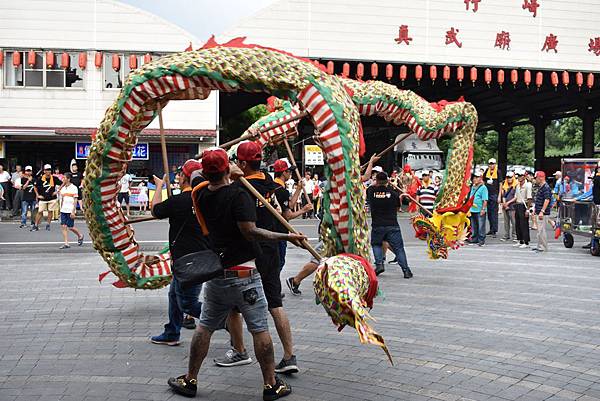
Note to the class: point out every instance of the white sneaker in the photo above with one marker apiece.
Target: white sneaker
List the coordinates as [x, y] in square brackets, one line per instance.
[517, 244]
[523, 246]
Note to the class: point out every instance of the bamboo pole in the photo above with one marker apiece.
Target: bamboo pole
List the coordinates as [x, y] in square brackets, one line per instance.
[293, 161]
[384, 151]
[278, 216]
[163, 146]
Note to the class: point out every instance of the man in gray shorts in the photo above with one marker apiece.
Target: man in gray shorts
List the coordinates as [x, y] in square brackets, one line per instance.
[229, 215]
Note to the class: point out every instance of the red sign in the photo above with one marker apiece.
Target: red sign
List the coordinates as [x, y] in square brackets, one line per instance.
[475, 4]
[550, 43]
[531, 6]
[403, 35]
[451, 37]
[595, 46]
[503, 40]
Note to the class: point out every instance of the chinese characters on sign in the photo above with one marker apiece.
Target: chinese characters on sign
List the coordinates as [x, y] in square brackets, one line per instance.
[531, 6]
[140, 151]
[595, 46]
[475, 4]
[451, 37]
[313, 155]
[403, 35]
[550, 43]
[503, 40]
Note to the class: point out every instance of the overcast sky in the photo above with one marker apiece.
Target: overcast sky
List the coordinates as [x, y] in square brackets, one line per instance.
[201, 17]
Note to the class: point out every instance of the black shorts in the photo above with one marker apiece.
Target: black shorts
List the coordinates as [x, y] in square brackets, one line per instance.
[123, 198]
[267, 264]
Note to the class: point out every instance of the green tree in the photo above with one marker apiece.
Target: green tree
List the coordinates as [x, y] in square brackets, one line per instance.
[520, 145]
[235, 126]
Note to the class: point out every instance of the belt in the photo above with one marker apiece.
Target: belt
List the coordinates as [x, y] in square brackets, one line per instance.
[241, 273]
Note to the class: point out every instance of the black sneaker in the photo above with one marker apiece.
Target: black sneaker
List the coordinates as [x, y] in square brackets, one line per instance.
[80, 240]
[189, 323]
[407, 273]
[34, 228]
[278, 390]
[393, 261]
[183, 386]
[23, 226]
[379, 269]
[47, 227]
[233, 358]
[287, 366]
[295, 289]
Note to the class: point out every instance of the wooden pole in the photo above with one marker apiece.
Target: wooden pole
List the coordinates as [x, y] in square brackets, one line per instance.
[293, 161]
[384, 151]
[163, 146]
[278, 216]
[140, 220]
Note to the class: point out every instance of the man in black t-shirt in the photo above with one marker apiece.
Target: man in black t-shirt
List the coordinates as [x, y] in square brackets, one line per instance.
[76, 178]
[229, 215]
[283, 172]
[28, 201]
[185, 237]
[45, 191]
[384, 203]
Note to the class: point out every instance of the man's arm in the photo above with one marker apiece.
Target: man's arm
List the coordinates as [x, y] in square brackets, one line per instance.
[484, 207]
[253, 233]
[367, 173]
[157, 197]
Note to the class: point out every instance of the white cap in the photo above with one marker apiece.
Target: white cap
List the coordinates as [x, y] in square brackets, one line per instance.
[510, 174]
[492, 160]
[557, 173]
[47, 167]
[478, 174]
[424, 172]
[28, 168]
[379, 169]
[73, 161]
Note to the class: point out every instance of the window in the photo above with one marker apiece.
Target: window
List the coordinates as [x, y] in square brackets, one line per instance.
[40, 74]
[114, 79]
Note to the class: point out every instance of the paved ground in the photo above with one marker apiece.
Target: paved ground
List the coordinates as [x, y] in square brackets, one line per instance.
[491, 323]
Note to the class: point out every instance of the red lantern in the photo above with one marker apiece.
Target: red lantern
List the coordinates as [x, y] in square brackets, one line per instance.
[389, 71]
[1, 57]
[514, 77]
[49, 59]
[473, 75]
[346, 70]
[527, 78]
[590, 81]
[360, 71]
[418, 73]
[65, 61]
[446, 74]
[98, 60]
[83, 60]
[147, 58]
[539, 79]
[403, 73]
[554, 79]
[16, 59]
[500, 77]
[460, 74]
[132, 62]
[579, 79]
[488, 76]
[116, 62]
[31, 58]
[374, 70]
[433, 74]
[330, 67]
[565, 78]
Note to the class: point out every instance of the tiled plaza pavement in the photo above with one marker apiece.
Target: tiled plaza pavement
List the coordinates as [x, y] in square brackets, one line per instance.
[492, 323]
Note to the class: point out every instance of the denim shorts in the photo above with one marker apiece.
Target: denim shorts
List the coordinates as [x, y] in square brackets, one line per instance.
[66, 220]
[221, 295]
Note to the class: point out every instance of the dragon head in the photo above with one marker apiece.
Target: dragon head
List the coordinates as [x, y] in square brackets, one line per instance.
[441, 231]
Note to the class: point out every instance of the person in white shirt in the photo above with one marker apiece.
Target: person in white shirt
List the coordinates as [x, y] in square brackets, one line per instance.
[309, 186]
[5, 203]
[15, 180]
[68, 204]
[289, 185]
[123, 196]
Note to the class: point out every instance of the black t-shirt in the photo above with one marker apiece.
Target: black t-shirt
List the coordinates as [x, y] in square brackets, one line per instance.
[76, 178]
[47, 187]
[180, 211]
[265, 185]
[384, 203]
[282, 198]
[222, 209]
[28, 192]
[596, 190]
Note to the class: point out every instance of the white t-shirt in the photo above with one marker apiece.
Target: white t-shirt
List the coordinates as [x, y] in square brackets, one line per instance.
[289, 185]
[68, 196]
[124, 183]
[4, 176]
[309, 185]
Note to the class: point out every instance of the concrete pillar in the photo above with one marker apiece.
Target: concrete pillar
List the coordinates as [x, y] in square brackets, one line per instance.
[588, 115]
[540, 124]
[503, 130]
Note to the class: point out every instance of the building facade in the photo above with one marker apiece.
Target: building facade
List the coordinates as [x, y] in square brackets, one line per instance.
[61, 66]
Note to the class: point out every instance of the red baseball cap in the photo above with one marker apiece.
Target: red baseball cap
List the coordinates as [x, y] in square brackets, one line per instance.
[190, 166]
[540, 174]
[249, 151]
[407, 168]
[281, 165]
[214, 160]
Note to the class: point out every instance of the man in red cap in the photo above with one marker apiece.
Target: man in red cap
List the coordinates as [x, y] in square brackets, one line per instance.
[185, 237]
[230, 214]
[249, 158]
[542, 211]
[283, 172]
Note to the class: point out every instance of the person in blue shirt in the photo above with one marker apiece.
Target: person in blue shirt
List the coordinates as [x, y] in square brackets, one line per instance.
[479, 193]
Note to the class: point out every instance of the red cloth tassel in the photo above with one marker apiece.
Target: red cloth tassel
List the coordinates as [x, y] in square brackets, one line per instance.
[557, 233]
[120, 284]
[102, 275]
[362, 147]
